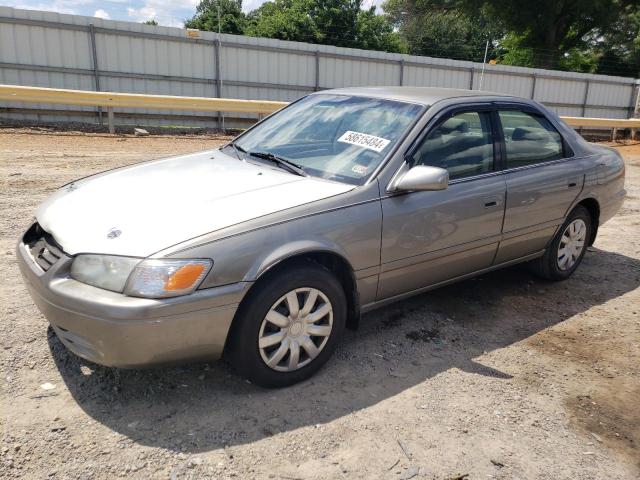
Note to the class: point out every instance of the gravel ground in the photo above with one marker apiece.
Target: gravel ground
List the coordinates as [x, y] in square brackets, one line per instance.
[503, 376]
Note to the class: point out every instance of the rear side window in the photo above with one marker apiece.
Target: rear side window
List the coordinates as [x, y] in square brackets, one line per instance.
[529, 139]
[461, 144]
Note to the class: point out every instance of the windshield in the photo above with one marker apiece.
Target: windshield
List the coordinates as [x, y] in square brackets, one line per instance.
[337, 137]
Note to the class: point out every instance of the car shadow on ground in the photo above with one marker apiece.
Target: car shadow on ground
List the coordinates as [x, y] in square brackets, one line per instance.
[202, 407]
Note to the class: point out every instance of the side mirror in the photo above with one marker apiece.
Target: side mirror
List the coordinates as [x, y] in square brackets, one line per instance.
[421, 178]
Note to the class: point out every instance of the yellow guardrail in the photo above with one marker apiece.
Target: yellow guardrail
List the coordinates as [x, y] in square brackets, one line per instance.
[111, 100]
[15, 93]
[602, 122]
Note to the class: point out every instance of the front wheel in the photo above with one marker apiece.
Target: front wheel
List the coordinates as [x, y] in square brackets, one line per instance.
[567, 248]
[289, 325]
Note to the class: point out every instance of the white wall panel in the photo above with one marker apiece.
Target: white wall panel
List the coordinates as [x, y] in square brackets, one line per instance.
[504, 83]
[608, 94]
[560, 91]
[163, 60]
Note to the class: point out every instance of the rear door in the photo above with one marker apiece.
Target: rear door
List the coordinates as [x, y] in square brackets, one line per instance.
[542, 180]
[431, 237]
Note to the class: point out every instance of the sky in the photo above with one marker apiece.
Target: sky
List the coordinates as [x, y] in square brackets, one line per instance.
[170, 13]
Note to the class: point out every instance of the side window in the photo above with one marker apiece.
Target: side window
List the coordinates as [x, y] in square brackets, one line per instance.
[529, 138]
[461, 144]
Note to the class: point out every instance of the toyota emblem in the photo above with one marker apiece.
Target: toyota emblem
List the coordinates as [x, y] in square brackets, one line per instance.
[113, 233]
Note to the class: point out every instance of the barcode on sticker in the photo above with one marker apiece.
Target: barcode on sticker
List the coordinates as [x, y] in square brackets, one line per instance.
[371, 142]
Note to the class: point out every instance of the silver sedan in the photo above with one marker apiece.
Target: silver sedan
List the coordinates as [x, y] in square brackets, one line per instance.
[346, 200]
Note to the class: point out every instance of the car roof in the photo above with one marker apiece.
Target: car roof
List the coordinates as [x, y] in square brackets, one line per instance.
[422, 95]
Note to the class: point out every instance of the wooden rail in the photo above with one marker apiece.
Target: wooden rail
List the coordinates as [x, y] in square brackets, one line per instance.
[111, 100]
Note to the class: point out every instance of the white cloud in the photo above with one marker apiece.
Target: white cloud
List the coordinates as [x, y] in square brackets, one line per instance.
[59, 6]
[142, 14]
[100, 13]
[165, 12]
[248, 5]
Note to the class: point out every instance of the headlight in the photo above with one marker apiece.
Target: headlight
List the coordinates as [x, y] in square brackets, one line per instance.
[153, 278]
[167, 278]
[103, 271]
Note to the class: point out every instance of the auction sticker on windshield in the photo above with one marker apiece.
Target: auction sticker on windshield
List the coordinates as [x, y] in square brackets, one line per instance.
[364, 140]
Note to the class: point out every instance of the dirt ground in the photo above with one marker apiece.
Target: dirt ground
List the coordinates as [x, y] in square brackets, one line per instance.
[504, 376]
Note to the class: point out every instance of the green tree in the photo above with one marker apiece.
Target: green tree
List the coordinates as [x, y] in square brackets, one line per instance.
[619, 45]
[599, 36]
[375, 32]
[336, 20]
[227, 14]
[441, 28]
[284, 20]
[550, 29]
[331, 22]
[150, 22]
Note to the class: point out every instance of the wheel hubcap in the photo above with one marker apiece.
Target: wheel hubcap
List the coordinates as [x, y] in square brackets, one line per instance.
[296, 329]
[571, 244]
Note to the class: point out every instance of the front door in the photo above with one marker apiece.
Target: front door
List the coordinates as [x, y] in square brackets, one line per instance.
[431, 237]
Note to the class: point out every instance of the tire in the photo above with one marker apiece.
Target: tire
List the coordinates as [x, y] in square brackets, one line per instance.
[250, 349]
[553, 265]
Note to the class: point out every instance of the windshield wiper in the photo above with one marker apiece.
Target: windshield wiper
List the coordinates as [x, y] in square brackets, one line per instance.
[281, 162]
[237, 149]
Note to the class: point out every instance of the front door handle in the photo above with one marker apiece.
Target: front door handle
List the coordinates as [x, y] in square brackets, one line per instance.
[493, 201]
[575, 182]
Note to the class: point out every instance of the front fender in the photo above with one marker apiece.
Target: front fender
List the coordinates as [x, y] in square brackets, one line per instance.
[353, 233]
[270, 259]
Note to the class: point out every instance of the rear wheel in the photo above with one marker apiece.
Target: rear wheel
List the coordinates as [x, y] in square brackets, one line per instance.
[289, 326]
[567, 248]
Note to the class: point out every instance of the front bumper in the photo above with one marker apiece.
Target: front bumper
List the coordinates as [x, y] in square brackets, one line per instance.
[119, 331]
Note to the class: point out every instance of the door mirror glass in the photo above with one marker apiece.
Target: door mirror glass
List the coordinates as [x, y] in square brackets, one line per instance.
[422, 178]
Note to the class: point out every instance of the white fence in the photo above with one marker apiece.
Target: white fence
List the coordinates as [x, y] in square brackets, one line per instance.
[47, 49]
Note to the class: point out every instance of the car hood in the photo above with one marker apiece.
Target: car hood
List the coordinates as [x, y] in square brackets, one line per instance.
[142, 209]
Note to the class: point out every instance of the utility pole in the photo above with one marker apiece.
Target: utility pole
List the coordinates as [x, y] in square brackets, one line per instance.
[484, 62]
[636, 111]
[220, 56]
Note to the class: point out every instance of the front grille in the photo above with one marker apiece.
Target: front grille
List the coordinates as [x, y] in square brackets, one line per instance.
[43, 248]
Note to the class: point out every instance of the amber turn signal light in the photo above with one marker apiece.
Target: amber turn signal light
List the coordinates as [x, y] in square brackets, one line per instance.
[184, 277]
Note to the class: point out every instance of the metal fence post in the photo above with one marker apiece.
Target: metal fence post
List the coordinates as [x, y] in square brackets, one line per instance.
[585, 99]
[216, 52]
[401, 72]
[111, 120]
[317, 84]
[96, 71]
[533, 86]
[635, 102]
[471, 75]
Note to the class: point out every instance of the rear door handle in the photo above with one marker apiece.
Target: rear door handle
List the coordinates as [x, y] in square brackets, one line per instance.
[573, 184]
